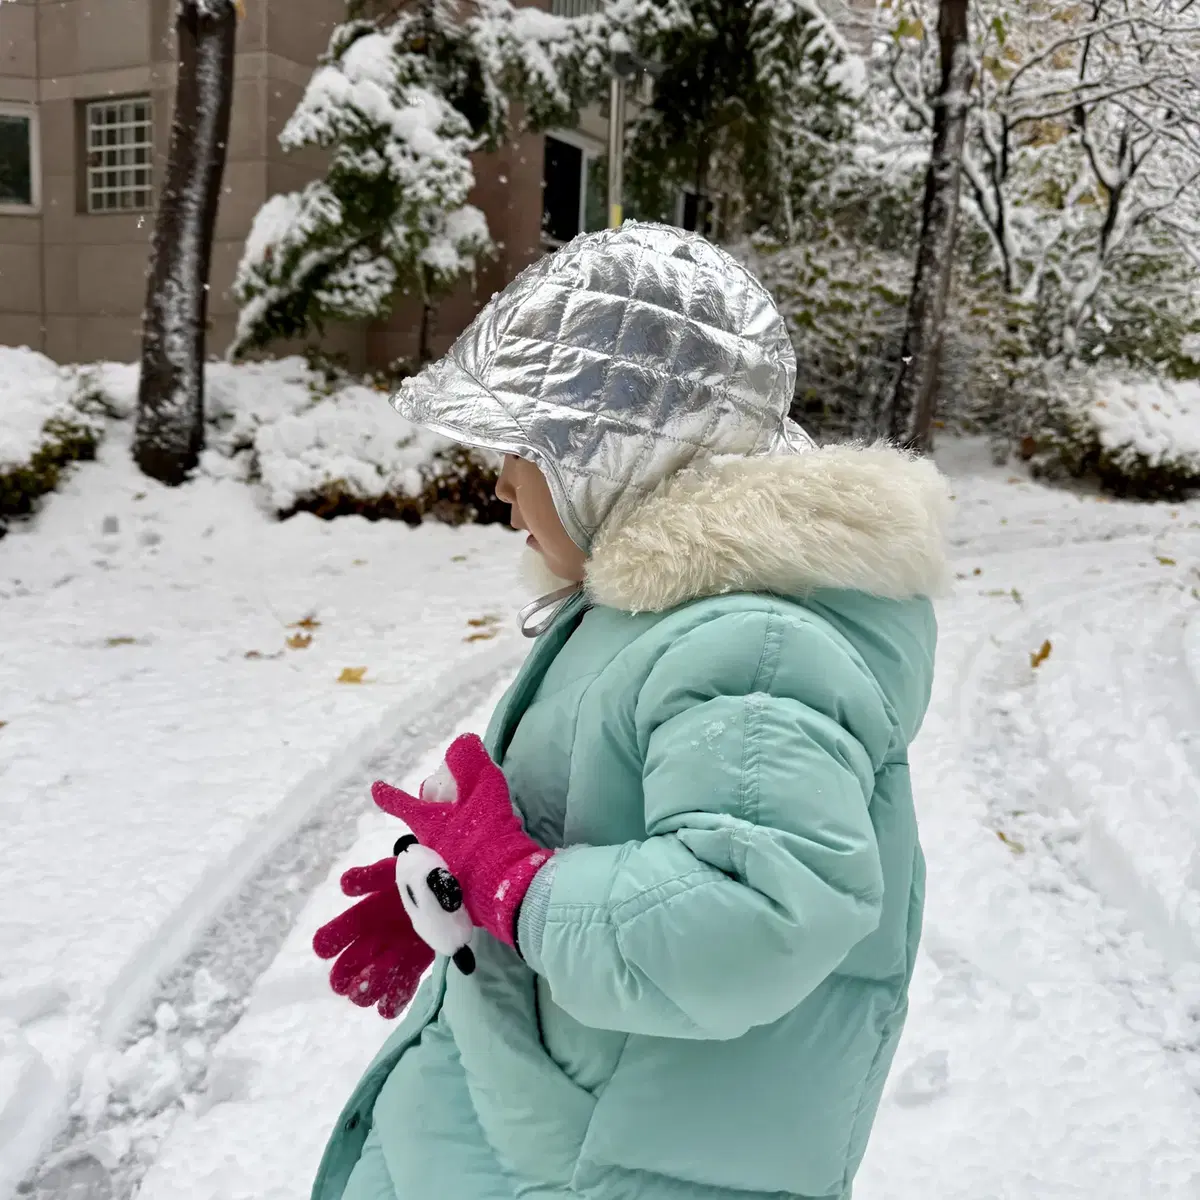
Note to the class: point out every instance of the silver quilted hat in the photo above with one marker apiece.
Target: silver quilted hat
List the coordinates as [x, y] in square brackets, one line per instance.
[612, 364]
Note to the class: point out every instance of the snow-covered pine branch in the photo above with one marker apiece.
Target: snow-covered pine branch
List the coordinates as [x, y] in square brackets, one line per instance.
[401, 103]
[762, 93]
[393, 209]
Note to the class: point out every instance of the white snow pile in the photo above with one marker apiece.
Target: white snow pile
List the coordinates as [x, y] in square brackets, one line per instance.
[1151, 420]
[34, 393]
[306, 441]
[1139, 436]
[352, 442]
[303, 438]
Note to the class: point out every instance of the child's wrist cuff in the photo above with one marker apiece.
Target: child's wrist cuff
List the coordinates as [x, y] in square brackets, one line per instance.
[531, 922]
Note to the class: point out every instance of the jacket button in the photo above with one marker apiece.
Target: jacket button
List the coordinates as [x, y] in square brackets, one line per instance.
[353, 1123]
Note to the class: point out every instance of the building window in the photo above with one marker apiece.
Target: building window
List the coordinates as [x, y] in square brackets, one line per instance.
[19, 168]
[573, 8]
[574, 190]
[120, 144]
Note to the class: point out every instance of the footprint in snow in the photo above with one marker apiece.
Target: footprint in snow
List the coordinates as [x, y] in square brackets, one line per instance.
[923, 1081]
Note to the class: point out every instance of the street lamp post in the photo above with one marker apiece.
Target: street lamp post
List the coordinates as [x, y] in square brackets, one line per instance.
[625, 68]
[616, 149]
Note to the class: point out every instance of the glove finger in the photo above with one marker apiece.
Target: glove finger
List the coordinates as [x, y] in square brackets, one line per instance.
[391, 799]
[401, 983]
[352, 962]
[395, 966]
[378, 877]
[425, 818]
[473, 769]
[333, 937]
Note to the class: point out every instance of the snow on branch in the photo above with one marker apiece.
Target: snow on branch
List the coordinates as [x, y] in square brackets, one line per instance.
[1084, 138]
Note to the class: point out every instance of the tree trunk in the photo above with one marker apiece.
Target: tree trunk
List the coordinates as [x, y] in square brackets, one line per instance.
[425, 338]
[170, 419]
[908, 414]
[428, 313]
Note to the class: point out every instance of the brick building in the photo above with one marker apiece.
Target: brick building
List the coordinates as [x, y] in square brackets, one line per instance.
[85, 94]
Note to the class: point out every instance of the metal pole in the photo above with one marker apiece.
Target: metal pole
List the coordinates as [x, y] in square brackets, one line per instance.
[616, 149]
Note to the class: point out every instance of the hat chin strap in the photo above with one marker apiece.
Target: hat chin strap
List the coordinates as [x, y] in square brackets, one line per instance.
[548, 605]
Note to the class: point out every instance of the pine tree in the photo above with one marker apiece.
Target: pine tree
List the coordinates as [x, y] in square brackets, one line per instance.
[402, 100]
[759, 92]
[400, 104]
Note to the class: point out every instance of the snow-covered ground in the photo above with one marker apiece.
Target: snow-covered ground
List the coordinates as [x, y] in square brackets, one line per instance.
[185, 686]
[177, 815]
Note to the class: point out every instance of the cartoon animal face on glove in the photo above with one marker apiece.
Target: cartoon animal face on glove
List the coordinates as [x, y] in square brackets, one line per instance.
[433, 900]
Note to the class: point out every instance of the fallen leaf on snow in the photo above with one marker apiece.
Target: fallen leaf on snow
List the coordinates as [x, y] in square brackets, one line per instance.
[120, 641]
[2, 724]
[977, 571]
[300, 641]
[1014, 846]
[253, 654]
[458, 558]
[359, 562]
[352, 675]
[483, 622]
[1040, 655]
[309, 622]
[481, 637]
[1166, 562]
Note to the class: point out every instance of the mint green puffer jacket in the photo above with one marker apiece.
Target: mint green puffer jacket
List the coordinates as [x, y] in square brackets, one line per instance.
[713, 973]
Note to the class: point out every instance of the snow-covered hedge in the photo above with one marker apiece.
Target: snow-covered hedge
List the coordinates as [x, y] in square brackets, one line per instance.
[316, 441]
[1137, 437]
[46, 422]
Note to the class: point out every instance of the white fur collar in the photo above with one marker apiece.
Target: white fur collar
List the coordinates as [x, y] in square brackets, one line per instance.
[867, 518]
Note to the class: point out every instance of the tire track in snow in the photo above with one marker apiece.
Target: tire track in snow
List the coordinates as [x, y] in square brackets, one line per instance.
[1040, 786]
[176, 1011]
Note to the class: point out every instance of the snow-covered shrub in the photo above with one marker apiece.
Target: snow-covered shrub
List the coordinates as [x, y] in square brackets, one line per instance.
[351, 453]
[845, 301]
[1137, 437]
[47, 421]
[844, 304]
[316, 440]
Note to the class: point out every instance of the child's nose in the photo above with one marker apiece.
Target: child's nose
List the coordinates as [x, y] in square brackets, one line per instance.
[505, 492]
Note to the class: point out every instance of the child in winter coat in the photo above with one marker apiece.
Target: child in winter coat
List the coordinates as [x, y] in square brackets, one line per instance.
[687, 842]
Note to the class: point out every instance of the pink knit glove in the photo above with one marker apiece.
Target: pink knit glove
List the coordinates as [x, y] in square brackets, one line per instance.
[466, 815]
[380, 958]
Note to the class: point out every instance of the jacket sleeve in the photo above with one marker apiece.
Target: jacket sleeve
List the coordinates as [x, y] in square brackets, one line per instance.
[760, 735]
